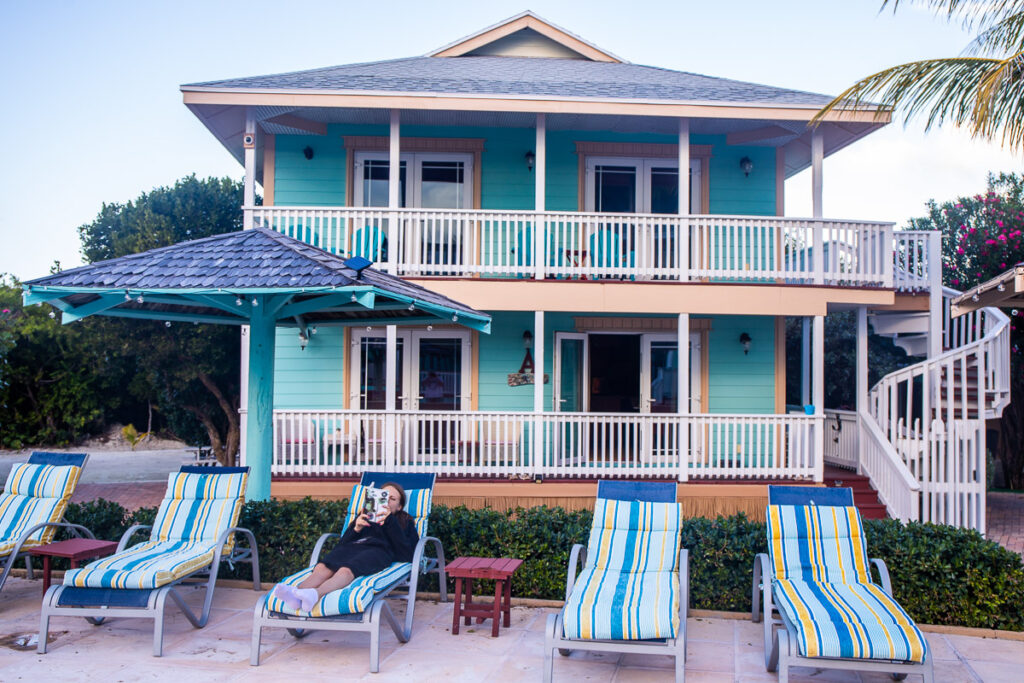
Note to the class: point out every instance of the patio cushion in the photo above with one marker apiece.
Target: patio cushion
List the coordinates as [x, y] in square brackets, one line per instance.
[144, 566]
[352, 599]
[857, 620]
[417, 504]
[32, 495]
[817, 543]
[628, 588]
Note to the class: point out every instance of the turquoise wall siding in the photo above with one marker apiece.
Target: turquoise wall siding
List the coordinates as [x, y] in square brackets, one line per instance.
[310, 379]
[506, 183]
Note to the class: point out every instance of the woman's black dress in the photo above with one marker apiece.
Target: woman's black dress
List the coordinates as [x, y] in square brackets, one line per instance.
[375, 547]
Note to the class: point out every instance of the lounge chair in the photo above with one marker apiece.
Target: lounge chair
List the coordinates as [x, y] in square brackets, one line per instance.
[632, 594]
[360, 605]
[192, 533]
[817, 576]
[33, 502]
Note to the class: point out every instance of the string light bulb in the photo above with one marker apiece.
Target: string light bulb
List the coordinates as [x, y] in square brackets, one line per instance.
[238, 301]
[255, 302]
[127, 296]
[138, 299]
[167, 323]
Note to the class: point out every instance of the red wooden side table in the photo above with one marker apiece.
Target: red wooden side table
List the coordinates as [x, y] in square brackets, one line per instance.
[75, 549]
[500, 570]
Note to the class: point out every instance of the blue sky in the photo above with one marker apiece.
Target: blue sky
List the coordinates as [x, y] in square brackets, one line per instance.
[92, 113]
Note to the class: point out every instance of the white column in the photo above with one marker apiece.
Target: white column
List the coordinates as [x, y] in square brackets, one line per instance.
[249, 188]
[862, 368]
[538, 389]
[540, 181]
[243, 395]
[805, 361]
[394, 186]
[817, 156]
[390, 375]
[683, 393]
[818, 394]
[935, 302]
[684, 201]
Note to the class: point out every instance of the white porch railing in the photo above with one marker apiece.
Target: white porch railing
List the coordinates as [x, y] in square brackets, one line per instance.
[841, 442]
[461, 243]
[896, 486]
[503, 444]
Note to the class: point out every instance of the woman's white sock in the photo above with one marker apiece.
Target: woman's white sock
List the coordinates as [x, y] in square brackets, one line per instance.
[308, 597]
[286, 594]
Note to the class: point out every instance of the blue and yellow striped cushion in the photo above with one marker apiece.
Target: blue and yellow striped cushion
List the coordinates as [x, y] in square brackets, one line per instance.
[817, 543]
[144, 566]
[196, 510]
[823, 586]
[352, 599]
[628, 588]
[32, 495]
[417, 504]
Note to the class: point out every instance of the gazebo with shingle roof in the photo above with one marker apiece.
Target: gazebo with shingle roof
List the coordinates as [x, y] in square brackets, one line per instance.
[258, 278]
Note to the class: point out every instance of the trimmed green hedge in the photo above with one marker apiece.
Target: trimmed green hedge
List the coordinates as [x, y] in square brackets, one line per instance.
[941, 575]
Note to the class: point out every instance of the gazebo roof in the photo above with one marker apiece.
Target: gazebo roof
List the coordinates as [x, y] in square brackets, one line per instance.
[212, 279]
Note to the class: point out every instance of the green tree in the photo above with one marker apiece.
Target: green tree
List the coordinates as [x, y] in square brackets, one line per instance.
[189, 372]
[982, 90]
[982, 236]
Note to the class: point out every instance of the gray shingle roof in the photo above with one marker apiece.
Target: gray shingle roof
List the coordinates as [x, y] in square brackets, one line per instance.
[523, 76]
[257, 259]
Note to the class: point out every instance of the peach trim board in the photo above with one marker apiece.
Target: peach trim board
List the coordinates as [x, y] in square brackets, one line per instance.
[531, 21]
[269, 161]
[698, 500]
[701, 298]
[780, 365]
[200, 95]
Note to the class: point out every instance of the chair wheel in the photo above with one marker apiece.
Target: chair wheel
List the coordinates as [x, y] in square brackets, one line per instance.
[95, 621]
[299, 632]
[898, 677]
[564, 652]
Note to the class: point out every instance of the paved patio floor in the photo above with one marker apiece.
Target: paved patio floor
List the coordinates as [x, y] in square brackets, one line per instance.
[119, 650]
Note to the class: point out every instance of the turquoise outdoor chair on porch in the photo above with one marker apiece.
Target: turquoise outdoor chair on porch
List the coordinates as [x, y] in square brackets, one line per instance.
[632, 594]
[362, 605]
[33, 502]
[816, 574]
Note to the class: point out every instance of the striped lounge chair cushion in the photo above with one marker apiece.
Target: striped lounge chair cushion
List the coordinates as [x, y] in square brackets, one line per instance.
[357, 596]
[823, 586]
[628, 588]
[352, 599]
[196, 509]
[34, 494]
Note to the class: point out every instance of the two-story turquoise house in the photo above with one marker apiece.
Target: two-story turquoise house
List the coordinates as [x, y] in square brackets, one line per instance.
[624, 227]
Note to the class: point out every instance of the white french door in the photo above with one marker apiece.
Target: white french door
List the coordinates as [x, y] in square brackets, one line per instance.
[635, 185]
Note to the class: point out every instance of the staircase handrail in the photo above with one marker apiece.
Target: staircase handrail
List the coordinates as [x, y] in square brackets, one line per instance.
[897, 487]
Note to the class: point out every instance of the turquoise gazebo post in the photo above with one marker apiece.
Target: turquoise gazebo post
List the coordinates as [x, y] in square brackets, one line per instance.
[259, 432]
[258, 278]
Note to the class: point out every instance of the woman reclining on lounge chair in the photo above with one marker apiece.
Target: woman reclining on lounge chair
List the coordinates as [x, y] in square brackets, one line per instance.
[365, 548]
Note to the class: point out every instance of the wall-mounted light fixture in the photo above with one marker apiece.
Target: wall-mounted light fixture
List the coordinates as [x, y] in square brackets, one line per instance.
[531, 159]
[527, 365]
[307, 152]
[303, 340]
[746, 165]
[745, 341]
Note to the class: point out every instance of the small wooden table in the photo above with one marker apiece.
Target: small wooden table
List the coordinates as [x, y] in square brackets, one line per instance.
[500, 570]
[75, 549]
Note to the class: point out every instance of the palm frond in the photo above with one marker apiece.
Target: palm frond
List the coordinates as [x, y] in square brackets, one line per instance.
[1006, 35]
[971, 12]
[983, 95]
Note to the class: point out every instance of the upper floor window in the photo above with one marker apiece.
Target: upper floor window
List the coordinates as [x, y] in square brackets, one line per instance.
[429, 181]
[636, 185]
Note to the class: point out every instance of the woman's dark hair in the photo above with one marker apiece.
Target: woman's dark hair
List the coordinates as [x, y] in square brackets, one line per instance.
[403, 517]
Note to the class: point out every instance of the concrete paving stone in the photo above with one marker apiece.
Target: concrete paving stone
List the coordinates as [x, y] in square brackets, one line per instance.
[710, 656]
[940, 647]
[991, 672]
[717, 630]
[706, 677]
[575, 668]
[803, 674]
[518, 668]
[747, 630]
[315, 657]
[988, 649]
[420, 665]
[749, 660]
[633, 675]
[647, 661]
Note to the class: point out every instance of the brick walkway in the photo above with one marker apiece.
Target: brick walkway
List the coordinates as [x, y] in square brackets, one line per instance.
[1005, 517]
[133, 495]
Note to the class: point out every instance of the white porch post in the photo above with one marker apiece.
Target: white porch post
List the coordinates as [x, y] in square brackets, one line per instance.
[683, 393]
[805, 361]
[818, 392]
[538, 391]
[684, 204]
[862, 369]
[540, 181]
[243, 396]
[935, 303]
[249, 187]
[394, 186]
[817, 157]
[390, 374]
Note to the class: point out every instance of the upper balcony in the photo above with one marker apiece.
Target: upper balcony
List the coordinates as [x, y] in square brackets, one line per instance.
[463, 243]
